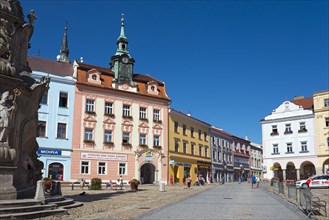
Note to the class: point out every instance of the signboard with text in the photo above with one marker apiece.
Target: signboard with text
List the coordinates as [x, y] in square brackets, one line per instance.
[102, 156]
[49, 152]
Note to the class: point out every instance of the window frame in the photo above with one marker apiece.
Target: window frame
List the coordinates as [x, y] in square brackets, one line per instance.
[156, 115]
[59, 124]
[63, 99]
[43, 127]
[90, 106]
[104, 167]
[142, 114]
[108, 136]
[142, 139]
[125, 135]
[84, 167]
[108, 108]
[126, 110]
[88, 132]
[124, 168]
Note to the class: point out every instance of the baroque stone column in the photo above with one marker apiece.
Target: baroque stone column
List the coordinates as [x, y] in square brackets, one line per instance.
[20, 97]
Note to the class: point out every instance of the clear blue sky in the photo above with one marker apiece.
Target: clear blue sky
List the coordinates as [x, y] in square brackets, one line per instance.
[229, 63]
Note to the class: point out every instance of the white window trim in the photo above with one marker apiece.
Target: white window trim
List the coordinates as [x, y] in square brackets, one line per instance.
[98, 167]
[89, 162]
[126, 168]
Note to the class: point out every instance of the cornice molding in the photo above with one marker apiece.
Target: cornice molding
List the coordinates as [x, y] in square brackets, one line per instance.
[294, 118]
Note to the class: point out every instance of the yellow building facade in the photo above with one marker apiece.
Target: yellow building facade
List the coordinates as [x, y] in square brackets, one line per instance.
[321, 111]
[189, 148]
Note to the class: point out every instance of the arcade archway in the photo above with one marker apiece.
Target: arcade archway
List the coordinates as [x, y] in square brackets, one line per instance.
[147, 173]
[277, 171]
[325, 167]
[291, 171]
[307, 169]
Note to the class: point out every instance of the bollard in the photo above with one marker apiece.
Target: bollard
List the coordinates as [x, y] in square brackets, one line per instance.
[40, 192]
[162, 187]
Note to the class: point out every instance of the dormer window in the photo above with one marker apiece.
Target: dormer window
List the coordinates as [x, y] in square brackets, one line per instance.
[152, 88]
[94, 76]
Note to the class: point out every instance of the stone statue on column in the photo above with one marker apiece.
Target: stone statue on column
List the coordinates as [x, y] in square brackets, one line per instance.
[20, 94]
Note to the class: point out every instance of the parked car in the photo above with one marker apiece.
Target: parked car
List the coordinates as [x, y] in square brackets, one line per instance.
[314, 182]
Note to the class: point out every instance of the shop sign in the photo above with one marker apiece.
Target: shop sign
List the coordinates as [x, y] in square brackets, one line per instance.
[264, 169]
[172, 162]
[100, 156]
[49, 152]
[182, 164]
[148, 158]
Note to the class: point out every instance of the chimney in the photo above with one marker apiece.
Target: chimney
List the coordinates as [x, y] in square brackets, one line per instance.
[298, 97]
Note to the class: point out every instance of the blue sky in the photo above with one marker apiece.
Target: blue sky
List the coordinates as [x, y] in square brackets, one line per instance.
[229, 63]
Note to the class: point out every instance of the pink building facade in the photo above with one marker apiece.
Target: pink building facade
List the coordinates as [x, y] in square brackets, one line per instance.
[120, 122]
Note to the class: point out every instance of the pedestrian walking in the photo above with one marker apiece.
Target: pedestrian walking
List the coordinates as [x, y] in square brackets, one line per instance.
[189, 180]
[257, 181]
[253, 181]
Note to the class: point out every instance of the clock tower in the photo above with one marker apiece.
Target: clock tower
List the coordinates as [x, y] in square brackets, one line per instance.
[122, 63]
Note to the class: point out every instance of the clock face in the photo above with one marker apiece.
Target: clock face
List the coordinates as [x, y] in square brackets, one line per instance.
[125, 60]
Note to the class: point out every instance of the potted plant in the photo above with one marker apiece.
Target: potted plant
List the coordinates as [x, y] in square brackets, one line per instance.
[134, 184]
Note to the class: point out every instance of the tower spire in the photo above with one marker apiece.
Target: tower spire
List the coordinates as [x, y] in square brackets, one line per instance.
[64, 51]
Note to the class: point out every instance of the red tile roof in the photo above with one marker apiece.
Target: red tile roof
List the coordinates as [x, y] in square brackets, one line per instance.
[50, 66]
[306, 103]
[222, 131]
[107, 77]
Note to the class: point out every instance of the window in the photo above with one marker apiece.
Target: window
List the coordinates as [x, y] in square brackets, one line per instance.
[89, 134]
[125, 137]
[289, 148]
[274, 130]
[176, 126]
[200, 135]
[192, 149]
[328, 141]
[41, 130]
[142, 113]
[206, 151]
[192, 132]
[275, 149]
[101, 168]
[84, 167]
[326, 102]
[218, 156]
[142, 139]
[302, 127]
[288, 129]
[214, 155]
[90, 104]
[327, 122]
[63, 99]
[205, 136]
[200, 150]
[122, 169]
[61, 131]
[156, 115]
[107, 136]
[44, 100]
[156, 140]
[126, 111]
[108, 108]
[184, 129]
[184, 147]
[176, 146]
[304, 146]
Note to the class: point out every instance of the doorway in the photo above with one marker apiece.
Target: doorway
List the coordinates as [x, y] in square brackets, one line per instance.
[55, 171]
[147, 173]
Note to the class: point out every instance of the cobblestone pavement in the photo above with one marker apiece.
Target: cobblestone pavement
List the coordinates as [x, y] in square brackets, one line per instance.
[230, 201]
[124, 204]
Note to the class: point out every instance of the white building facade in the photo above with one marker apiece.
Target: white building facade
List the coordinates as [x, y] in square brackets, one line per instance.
[288, 143]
